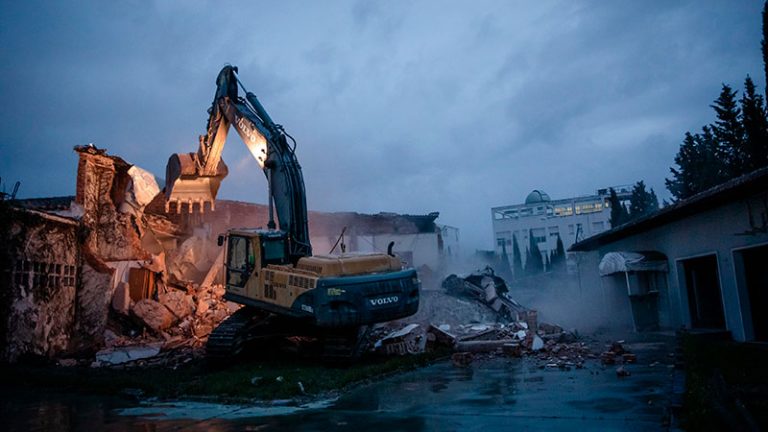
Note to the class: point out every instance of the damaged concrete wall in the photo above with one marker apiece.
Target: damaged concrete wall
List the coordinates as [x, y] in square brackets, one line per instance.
[102, 182]
[39, 257]
[94, 295]
[417, 238]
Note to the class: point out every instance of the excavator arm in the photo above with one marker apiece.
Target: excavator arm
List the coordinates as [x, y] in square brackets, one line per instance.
[195, 177]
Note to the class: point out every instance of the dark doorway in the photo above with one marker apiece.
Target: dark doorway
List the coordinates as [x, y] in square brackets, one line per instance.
[704, 297]
[756, 278]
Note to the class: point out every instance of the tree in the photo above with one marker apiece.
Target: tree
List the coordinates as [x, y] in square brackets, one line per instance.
[764, 47]
[755, 126]
[558, 255]
[618, 212]
[699, 167]
[642, 202]
[517, 259]
[533, 262]
[729, 133]
[548, 263]
[736, 144]
[504, 268]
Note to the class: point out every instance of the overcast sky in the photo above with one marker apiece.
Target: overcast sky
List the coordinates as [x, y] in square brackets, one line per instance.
[398, 106]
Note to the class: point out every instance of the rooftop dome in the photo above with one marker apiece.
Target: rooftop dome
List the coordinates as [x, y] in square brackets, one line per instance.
[537, 196]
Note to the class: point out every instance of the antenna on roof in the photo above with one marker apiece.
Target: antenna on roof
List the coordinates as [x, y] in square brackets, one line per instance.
[4, 195]
[15, 189]
[340, 239]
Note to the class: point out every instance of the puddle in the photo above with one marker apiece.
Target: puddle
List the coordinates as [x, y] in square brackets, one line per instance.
[182, 410]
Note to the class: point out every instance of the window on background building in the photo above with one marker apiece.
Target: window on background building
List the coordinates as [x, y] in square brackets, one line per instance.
[554, 231]
[503, 238]
[539, 236]
[563, 210]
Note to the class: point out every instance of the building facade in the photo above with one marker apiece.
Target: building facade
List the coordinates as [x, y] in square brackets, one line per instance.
[699, 264]
[571, 219]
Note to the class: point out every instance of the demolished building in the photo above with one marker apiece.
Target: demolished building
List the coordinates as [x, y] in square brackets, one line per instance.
[73, 267]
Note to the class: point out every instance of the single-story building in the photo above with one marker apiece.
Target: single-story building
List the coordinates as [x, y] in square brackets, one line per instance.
[701, 263]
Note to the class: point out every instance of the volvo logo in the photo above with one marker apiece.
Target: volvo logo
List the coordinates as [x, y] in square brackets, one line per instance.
[381, 301]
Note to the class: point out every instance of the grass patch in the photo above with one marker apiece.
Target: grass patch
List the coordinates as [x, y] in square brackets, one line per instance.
[719, 374]
[230, 384]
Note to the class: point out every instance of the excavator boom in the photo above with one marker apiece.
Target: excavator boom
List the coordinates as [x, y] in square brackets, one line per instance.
[195, 177]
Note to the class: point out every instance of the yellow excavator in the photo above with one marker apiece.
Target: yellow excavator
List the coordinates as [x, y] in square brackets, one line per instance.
[285, 290]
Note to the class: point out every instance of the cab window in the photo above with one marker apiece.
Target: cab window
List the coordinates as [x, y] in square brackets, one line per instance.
[274, 251]
[240, 260]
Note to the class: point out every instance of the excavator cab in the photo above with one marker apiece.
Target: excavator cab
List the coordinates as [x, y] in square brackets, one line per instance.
[249, 251]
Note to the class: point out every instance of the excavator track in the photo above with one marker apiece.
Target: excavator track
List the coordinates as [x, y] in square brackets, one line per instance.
[232, 336]
[228, 339]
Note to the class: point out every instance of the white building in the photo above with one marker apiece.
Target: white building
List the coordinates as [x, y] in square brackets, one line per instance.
[699, 263]
[572, 219]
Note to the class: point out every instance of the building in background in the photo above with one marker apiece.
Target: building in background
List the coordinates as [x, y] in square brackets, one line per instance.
[572, 219]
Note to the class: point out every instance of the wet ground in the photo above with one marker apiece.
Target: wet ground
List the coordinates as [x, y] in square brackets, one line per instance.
[493, 394]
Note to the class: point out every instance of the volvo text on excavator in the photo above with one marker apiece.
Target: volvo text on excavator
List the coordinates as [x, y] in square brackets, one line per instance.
[285, 290]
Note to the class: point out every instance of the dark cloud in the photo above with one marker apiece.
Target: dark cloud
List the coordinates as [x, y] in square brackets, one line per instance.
[397, 106]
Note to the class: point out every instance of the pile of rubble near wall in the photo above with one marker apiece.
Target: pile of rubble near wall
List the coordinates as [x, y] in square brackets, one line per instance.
[165, 292]
[104, 269]
[474, 315]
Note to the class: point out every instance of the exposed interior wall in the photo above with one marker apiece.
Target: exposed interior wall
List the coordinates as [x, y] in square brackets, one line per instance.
[40, 262]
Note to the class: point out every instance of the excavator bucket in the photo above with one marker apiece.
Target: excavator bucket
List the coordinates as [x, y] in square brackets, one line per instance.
[186, 189]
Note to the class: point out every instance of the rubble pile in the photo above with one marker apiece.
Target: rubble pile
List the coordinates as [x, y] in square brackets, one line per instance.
[108, 268]
[549, 345]
[475, 316]
[169, 331]
[486, 288]
[617, 354]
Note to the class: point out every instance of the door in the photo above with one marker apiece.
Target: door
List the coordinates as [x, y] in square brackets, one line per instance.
[705, 300]
[756, 279]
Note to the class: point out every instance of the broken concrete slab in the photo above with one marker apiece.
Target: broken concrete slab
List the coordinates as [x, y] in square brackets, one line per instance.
[409, 340]
[119, 355]
[141, 189]
[441, 336]
[512, 349]
[153, 314]
[179, 303]
[481, 346]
